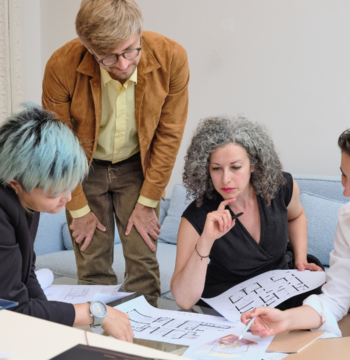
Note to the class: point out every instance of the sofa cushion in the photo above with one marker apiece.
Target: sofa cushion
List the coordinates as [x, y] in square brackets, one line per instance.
[68, 242]
[63, 263]
[49, 238]
[322, 217]
[164, 206]
[329, 187]
[170, 225]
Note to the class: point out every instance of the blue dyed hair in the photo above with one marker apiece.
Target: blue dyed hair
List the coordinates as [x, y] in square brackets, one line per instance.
[39, 151]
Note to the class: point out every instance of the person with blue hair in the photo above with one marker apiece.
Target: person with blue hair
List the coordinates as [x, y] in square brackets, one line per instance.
[41, 162]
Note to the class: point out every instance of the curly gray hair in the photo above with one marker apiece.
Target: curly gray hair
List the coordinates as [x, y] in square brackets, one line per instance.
[212, 132]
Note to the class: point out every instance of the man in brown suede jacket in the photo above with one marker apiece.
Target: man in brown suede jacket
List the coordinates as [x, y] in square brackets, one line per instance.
[124, 92]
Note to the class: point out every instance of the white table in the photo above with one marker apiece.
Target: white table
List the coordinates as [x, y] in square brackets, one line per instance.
[29, 338]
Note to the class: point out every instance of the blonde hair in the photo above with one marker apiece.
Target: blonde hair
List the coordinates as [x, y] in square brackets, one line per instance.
[104, 25]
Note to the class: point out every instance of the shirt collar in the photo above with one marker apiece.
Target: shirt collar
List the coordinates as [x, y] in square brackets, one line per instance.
[106, 77]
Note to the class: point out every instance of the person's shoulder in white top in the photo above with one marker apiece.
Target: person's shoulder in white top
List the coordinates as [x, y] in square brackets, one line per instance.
[334, 302]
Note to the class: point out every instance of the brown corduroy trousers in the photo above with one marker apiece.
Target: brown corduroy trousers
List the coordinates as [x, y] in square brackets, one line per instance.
[112, 191]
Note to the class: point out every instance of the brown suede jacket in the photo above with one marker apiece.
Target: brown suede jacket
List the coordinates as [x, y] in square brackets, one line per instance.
[72, 89]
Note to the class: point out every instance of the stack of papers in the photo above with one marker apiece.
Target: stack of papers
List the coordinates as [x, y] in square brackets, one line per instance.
[207, 336]
[77, 294]
[210, 337]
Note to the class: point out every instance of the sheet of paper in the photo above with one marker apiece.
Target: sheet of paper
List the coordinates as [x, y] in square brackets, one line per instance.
[75, 294]
[45, 277]
[274, 356]
[293, 341]
[325, 349]
[175, 327]
[109, 298]
[4, 355]
[268, 289]
[214, 346]
[328, 336]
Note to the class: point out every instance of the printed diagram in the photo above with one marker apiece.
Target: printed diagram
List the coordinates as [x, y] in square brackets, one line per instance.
[228, 346]
[269, 292]
[71, 296]
[76, 294]
[170, 328]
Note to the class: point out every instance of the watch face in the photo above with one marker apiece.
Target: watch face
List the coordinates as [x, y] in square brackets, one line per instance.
[98, 309]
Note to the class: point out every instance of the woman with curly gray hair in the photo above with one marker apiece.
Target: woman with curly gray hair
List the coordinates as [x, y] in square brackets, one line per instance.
[232, 170]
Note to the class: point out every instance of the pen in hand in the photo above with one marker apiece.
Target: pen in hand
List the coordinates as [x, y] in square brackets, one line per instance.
[247, 327]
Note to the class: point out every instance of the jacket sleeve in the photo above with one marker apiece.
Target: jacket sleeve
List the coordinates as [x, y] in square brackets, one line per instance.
[168, 135]
[334, 302]
[32, 300]
[56, 98]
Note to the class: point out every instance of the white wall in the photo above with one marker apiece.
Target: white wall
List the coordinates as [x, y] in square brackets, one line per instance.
[32, 49]
[282, 63]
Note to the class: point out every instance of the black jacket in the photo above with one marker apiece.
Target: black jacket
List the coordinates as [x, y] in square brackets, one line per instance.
[18, 281]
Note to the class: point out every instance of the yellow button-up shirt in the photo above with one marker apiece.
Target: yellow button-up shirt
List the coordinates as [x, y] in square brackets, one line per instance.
[117, 138]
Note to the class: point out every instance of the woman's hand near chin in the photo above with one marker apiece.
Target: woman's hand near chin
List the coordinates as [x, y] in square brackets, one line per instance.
[218, 222]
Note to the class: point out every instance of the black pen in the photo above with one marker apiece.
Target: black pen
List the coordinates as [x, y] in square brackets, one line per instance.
[234, 217]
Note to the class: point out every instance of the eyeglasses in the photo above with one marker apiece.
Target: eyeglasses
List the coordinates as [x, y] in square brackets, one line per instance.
[112, 59]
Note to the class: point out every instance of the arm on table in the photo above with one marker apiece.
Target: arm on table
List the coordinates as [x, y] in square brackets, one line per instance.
[116, 323]
[30, 297]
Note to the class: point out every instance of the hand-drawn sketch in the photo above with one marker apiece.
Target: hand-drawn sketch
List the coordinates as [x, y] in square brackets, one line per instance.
[229, 345]
[268, 289]
[76, 294]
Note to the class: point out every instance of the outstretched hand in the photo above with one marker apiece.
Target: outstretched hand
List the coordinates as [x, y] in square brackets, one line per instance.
[304, 265]
[218, 222]
[268, 322]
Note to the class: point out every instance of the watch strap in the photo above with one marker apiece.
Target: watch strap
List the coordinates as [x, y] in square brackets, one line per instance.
[97, 320]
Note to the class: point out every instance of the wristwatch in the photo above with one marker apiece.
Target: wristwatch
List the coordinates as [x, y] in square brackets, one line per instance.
[98, 310]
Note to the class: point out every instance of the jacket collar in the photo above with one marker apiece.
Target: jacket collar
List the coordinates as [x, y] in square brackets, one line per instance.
[148, 62]
[89, 66]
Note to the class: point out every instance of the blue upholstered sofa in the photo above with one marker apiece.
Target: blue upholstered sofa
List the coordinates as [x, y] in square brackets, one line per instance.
[321, 197]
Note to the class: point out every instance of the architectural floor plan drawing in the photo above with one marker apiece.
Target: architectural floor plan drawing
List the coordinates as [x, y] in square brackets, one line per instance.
[174, 327]
[170, 328]
[269, 289]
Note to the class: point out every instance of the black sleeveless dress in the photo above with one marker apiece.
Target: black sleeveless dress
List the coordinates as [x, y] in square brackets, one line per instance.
[237, 257]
